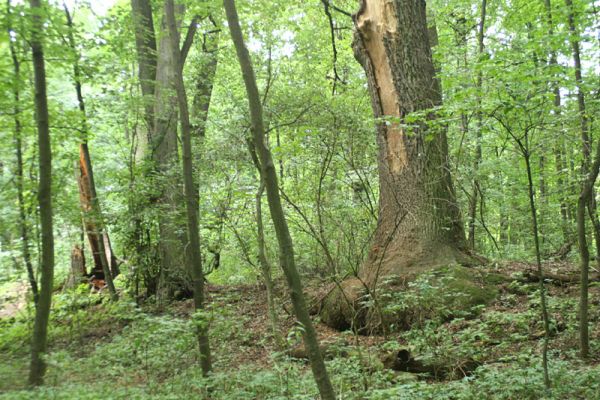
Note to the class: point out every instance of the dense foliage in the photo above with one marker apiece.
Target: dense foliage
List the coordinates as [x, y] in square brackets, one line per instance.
[509, 91]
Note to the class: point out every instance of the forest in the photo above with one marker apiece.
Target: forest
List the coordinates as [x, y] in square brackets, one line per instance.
[324, 199]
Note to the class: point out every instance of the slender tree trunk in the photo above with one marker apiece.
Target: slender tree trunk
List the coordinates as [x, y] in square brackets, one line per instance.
[587, 189]
[286, 247]
[582, 204]
[265, 265]
[42, 312]
[104, 259]
[18, 132]
[194, 261]
[536, 239]
[479, 117]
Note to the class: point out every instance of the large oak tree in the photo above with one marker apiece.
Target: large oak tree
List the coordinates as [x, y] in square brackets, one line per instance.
[419, 223]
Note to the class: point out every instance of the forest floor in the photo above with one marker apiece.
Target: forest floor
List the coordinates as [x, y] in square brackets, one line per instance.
[13, 299]
[100, 349]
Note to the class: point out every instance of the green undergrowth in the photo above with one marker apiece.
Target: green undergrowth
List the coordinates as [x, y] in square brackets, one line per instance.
[100, 349]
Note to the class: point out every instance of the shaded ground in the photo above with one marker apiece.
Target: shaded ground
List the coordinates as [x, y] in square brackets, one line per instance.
[150, 352]
[13, 299]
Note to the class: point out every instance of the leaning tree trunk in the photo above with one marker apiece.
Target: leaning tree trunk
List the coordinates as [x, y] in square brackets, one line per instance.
[286, 246]
[419, 225]
[42, 311]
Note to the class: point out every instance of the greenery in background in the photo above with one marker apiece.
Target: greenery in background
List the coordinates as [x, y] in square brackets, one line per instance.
[320, 129]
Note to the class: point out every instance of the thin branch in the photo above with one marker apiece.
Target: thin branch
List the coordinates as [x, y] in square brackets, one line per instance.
[189, 38]
[336, 76]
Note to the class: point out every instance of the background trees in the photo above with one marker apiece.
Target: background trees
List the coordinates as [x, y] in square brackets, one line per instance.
[504, 69]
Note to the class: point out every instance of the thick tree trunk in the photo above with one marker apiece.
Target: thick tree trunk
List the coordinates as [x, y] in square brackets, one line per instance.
[205, 77]
[163, 147]
[586, 141]
[145, 42]
[194, 260]
[419, 225]
[42, 312]
[157, 72]
[286, 247]
[18, 131]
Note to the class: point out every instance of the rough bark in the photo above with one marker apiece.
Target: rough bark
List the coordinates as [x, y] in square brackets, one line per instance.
[205, 77]
[42, 312]
[18, 132]
[584, 122]
[286, 248]
[145, 42]
[78, 271]
[419, 224]
[419, 220]
[194, 260]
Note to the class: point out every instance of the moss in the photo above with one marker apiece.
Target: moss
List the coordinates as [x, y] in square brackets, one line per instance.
[468, 288]
[439, 295]
[402, 302]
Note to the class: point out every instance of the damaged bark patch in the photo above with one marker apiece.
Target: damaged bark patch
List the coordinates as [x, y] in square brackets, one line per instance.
[375, 23]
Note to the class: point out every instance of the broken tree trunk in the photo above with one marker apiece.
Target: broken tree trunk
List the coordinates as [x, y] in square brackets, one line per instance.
[105, 262]
[78, 272]
[419, 224]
